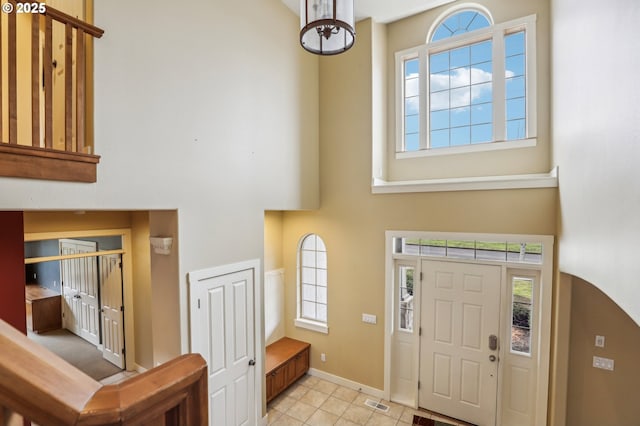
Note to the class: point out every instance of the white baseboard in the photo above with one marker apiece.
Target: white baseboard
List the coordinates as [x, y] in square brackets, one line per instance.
[139, 368]
[347, 383]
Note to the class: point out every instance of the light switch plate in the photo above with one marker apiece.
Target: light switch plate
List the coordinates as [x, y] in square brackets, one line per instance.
[369, 318]
[600, 341]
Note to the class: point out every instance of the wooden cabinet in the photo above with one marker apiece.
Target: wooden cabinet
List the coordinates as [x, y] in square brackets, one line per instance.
[286, 361]
[44, 309]
[302, 363]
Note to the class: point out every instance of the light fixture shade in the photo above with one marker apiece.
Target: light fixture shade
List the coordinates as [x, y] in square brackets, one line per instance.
[327, 26]
[161, 245]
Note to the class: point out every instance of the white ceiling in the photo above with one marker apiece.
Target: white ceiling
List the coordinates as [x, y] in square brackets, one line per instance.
[383, 10]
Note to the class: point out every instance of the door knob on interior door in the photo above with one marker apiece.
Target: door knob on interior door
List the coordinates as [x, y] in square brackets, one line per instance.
[77, 296]
[252, 362]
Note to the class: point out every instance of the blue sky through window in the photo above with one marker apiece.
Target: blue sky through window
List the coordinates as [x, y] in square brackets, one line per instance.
[411, 105]
[515, 62]
[461, 95]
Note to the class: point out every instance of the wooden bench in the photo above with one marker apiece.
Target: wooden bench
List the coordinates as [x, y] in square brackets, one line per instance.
[286, 361]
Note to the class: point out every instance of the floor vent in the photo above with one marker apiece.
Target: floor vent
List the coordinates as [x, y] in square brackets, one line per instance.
[376, 405]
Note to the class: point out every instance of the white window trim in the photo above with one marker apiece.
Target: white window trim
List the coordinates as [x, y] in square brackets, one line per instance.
[462, 149]
[525, 181]
[497, 33]
[310, 325]
[299, 321]
[461, 7]
[408, 264]
[534, 276]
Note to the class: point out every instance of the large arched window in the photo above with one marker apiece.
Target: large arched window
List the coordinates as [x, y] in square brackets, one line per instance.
[312, 283]
[460, 23]
[469, 87]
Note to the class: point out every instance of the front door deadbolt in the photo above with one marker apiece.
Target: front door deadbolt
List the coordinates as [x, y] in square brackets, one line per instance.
[493, 342]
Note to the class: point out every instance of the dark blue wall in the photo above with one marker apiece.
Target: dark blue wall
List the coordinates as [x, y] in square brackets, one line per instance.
[47, 274]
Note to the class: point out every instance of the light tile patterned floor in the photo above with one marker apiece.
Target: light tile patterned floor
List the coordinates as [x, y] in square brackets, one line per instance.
[316, 402]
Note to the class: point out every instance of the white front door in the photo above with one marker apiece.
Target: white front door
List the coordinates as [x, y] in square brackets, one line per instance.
[222, 331]
[459, 364]
[112, 309]
[80, 290]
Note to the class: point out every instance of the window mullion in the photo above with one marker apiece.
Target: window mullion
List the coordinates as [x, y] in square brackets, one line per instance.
[499, 90]
[424, 99]
[530, 40]
[400, 83]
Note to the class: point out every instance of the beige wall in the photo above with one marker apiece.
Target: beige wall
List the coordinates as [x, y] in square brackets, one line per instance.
[597, 144]
[273, 283]
[165, 288]
[272, 240]
[74, 221]
[599, 397]
[142, 288]
[594, 140]
[411, 32]
[352, 221]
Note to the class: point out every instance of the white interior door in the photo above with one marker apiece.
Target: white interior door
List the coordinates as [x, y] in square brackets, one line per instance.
[112, 311]
[222, 330]
[80, 290]
[458, 367]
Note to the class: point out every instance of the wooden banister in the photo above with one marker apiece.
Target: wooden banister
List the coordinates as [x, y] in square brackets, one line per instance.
[68, 126]
[12, 74]
[41, 387]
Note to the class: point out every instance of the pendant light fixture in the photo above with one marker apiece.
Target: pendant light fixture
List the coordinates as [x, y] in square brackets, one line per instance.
[327, 26]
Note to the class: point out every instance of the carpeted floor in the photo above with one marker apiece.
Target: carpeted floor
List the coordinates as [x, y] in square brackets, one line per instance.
[77, 352]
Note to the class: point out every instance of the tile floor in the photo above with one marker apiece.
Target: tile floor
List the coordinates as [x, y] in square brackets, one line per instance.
[316, 402]
[118, 377]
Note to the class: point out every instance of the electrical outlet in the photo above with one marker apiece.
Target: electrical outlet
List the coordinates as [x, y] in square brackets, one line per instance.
[323, 357]
[604, 363]
[600, 341]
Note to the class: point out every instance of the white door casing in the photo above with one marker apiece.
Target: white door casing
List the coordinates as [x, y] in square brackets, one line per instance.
[523, 383]
[112, 312]
[80, 290]
[458, 368]
[222, 331]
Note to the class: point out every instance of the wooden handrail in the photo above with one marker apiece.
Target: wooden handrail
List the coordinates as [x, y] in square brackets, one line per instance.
[76, 23]
[42, 387]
